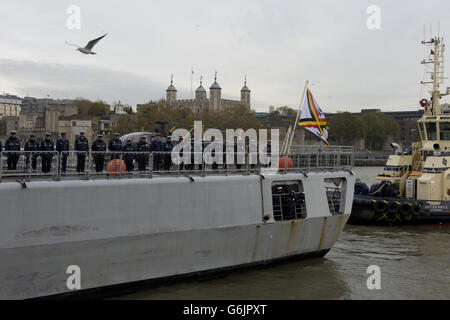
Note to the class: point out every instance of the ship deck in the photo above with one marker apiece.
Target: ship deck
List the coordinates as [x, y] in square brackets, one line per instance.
[138, 165]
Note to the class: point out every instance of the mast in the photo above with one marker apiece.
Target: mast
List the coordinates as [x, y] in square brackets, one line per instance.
[297, 118]
[437, 75]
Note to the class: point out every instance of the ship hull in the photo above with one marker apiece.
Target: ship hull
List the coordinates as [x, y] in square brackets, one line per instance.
[366, 212]
[41, 271]
[116, 232]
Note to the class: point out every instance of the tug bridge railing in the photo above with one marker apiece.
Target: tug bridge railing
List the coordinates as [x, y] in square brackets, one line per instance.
[30, 165]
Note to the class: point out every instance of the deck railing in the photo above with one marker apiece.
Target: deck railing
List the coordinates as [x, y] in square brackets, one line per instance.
[334, 197]
[287, 206]
[38, 164]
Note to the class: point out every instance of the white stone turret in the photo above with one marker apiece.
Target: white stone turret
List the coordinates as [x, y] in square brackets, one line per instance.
[215, 96]
[171, 93]
[200, 93]
[245, 94]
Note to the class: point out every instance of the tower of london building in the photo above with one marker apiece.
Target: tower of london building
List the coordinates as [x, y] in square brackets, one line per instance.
[215, 103]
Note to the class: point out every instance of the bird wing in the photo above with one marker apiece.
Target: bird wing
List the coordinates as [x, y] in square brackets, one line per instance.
[92, 43]
[71, 44]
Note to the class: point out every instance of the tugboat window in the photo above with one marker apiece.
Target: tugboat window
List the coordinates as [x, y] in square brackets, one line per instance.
[431, 130]
[288, 200]
[444, 130]
[392, 168]
[422, 131]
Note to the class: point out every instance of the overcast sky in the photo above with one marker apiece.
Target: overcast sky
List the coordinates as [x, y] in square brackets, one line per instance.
[277, 44]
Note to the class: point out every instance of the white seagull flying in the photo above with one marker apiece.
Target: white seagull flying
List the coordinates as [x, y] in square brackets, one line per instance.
[89, 46]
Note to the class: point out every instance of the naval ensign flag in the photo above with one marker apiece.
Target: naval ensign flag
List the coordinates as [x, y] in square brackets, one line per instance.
[313, 118]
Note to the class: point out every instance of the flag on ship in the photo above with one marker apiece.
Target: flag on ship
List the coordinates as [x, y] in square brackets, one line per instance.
[313, 119]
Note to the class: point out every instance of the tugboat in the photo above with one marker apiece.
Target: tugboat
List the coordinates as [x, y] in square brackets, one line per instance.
[414, 187]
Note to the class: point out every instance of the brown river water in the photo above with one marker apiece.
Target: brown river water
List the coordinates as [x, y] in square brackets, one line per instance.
[414, 263]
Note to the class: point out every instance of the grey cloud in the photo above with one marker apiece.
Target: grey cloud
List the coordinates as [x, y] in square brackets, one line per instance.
[277, 44]
[72, 81]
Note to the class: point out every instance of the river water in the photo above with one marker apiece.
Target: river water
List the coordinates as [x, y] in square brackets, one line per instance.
[414, 263]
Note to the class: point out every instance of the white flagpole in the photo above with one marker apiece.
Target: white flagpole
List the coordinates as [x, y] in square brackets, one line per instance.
[297, 118]
[285, 142]
[192, 74]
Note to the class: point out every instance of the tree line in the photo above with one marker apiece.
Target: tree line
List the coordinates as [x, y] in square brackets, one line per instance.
[96, 108]
[158, 116]
[344, 128]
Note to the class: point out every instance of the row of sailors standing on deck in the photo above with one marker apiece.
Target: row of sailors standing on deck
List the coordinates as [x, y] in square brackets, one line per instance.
[131, 152]
[46, 150]
[161, 159]
[238, 150]
[13, 145]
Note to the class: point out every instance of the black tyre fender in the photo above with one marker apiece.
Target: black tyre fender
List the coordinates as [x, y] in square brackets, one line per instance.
[394, 206]
[381, 206]
[370, 204]
[416, 209]
[406, 209]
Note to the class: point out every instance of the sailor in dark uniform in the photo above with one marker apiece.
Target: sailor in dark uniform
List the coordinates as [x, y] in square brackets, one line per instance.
[13, 144]
[167, 157]
[225, 152]
[181, 165]
[157, 148]
[62, 146]
[192, 165]
[213, 153]
[32, 145]
[115, 146]
[47, 148]
[128, 157]
[143, 148]
[82, 146]
[293, 200]
[99, 146]
[239, 152]
[200, 156]
[268, 151]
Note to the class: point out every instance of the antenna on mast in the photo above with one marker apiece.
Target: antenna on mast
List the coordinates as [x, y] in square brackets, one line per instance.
[424, 33]
[437, 74]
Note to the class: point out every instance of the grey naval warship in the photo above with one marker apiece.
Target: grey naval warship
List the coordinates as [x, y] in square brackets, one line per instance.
[127, 228]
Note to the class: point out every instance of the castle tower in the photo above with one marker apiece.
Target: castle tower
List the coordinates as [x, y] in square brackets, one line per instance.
[215, 96]
[200, 93]
[245, 94]
[171, 93]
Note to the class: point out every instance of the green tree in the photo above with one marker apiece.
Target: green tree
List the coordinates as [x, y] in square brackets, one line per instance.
[126, 124]
[287, 112]
[345, 128]
[378, 128]
[157, 115]
[89, 108]
[282, 117]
